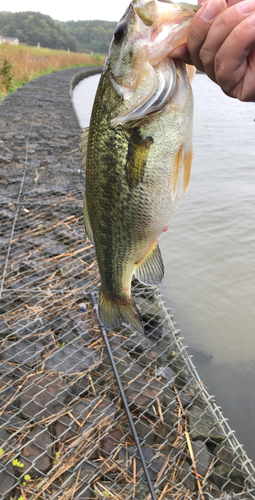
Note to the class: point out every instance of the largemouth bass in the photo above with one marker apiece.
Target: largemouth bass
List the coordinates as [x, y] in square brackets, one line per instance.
[137, 152]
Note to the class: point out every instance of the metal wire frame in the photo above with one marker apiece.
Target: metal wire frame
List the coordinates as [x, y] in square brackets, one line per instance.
[60, 407]
[130, 420]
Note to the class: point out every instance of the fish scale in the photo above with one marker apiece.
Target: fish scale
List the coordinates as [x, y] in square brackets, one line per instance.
[137, 152]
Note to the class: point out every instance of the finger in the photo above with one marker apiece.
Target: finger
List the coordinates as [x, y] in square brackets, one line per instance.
[182, 53]
[235, 61]
[220, 30]
[200, 26]
[233, 2]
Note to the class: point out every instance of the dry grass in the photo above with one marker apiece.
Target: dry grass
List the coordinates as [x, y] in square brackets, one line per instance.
[31, 62]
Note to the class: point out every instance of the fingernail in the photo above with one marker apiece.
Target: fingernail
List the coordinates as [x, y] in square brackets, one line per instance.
[246, 6]
[210, 10]
[251, 20]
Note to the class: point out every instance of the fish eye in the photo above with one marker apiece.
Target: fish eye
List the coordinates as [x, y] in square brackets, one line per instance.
[120, 32]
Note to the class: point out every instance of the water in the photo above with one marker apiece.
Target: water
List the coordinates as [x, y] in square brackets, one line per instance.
[209, 250]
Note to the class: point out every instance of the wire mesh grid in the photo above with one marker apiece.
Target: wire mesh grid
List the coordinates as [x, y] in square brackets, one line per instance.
[63, 431]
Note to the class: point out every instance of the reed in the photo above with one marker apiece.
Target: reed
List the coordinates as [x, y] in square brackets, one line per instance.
[30, 62]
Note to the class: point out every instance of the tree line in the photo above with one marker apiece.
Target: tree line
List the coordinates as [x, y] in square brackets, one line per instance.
[94, 36]
[78, 36]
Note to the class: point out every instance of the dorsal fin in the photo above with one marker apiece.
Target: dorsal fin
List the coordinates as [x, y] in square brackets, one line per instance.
[83, 148]
[87, 224]
[84, 144]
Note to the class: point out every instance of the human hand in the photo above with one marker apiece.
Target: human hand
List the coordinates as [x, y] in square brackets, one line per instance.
[221, 42]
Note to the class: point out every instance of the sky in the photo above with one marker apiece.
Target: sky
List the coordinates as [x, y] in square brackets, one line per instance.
[75, 10]
[72, 10]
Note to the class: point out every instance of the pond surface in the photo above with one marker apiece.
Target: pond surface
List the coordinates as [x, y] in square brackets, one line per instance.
[209, 250]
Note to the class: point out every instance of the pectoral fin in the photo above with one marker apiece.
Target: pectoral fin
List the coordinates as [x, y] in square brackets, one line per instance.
[87, 224]
[191, 72]
[138, 150]
[187, 169]
[150, 270]
[182, 163]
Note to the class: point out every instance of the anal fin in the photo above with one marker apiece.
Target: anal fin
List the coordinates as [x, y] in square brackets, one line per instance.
[150, 270]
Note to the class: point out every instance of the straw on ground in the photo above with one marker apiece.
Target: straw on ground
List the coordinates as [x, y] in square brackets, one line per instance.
[28, 63]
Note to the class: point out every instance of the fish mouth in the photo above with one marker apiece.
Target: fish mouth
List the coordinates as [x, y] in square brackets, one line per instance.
[146, 79]
[158, 85]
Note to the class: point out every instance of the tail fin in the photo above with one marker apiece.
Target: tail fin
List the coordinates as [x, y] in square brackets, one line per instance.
[113, 314]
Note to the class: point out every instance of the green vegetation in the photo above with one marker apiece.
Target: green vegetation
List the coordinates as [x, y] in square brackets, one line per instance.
[94, 36]
[6, 75]
[33, 27]
[16, 463]
[27, 478]
[55, 462]
[19, 64]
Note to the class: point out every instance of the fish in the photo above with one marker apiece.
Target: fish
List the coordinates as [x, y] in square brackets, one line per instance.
[137, 152]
